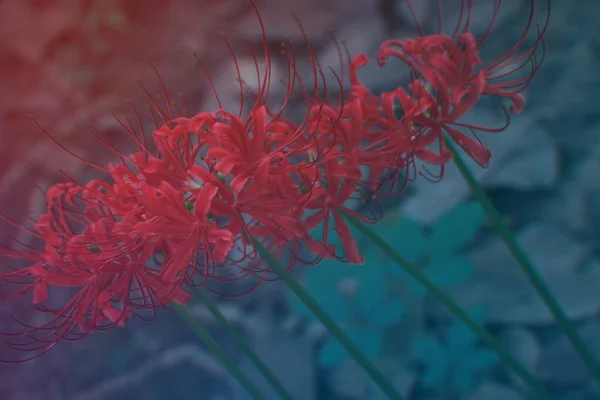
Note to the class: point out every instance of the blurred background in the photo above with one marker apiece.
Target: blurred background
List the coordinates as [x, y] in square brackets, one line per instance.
[68, 63]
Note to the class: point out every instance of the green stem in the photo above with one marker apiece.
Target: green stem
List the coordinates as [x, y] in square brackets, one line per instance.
[380, 380]
[541, 392]
[526, 265]
[260, 365]
[227, 361]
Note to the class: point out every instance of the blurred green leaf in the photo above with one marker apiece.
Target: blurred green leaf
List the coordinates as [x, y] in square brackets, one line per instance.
[369, 341]
[457, 359]
[427, 350]
[370, 290]
[450, 271]
[447, 272]
[343, 290]
[476, 362]
[426, 347]
[460, 337]
[387, 314]
[332, 354]
[457, 228]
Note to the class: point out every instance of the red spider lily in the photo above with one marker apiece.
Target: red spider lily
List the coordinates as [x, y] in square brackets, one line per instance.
[247, 156]
[184, 224]
[391, 144]
[182, 211]
[82, 235]
[105, 297]
[456, 59]
[441, 117]
[453, 78]
[447, 92]
[171, 202]
[328, 201]
[84, 252]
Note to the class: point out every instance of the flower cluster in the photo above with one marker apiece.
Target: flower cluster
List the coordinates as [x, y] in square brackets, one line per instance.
[185, 208]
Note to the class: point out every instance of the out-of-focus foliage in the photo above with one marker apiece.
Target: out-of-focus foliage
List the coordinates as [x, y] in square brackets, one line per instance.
[435, 248]
[454, 360]
[364, 299]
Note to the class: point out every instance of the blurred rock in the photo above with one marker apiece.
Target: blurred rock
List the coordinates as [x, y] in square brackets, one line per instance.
[593, 207]
[173, 374]
[559, 364]
[509, 298]
[525, 348]
[568, 97]
[534, 167]
[551, 250]
[291, 359]
[351, 382]
[494, 391]
[574, 206]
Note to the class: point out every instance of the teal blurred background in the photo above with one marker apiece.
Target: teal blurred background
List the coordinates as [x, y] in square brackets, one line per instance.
[69, 62]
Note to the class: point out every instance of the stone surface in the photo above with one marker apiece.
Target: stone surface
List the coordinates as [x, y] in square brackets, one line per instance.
[534, 167]
[350, 382]
[550, 249]
[510, 298]
[525, 347]
[494, 391]
[559, 364]
[501, 286]
[292, 361]
[180, 370]
[574, 206]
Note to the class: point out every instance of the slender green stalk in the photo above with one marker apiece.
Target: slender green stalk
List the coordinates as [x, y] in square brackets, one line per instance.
[418, 275]
[227, 361]
[378, 378]
[526, 265]
[241, 342]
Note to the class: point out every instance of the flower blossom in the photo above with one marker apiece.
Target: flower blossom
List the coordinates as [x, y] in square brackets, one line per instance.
[450, 79]
[180, 212]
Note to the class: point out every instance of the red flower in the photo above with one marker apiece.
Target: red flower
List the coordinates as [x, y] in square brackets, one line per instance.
[110, 271]
[328, 201]
[450, 80]
[184, 224]
[164, 222]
